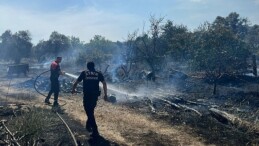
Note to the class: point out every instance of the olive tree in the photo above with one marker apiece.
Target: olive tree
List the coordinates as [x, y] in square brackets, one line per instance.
[218, 51]
[16, 46]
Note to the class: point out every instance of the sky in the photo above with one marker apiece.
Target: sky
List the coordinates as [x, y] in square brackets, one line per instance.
[113, 19]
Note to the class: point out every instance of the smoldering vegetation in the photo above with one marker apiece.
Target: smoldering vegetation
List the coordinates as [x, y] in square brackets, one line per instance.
[206, 79]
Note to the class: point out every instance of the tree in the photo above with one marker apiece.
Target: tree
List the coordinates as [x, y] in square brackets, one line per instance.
[147, 46]
[6, 43]
[99, 50]
[102, 44]
[218, 51]
[252, 38]
[75, 43]
[238, 25]
[16, 46]
[128, 55]
[58, 43]
[23, 45]
[40, 51]
[176, 41]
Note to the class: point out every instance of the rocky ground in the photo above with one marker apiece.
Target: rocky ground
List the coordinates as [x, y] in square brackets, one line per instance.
[180, 113]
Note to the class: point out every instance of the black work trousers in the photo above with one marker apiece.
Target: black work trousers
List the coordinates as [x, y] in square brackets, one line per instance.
[89, 106]
[54, 89]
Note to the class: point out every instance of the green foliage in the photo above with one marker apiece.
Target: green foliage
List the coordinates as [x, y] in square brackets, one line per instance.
[75, 43]
[58, 44]
[176, 41]
[81, 59]
[95, 55]
[146, 48]
[40, 52]
[102, 44]
[219, 49]
[23, 45]
[253, 38]
[53, 47]
[6, 43]
[98, 50]
[16, 46]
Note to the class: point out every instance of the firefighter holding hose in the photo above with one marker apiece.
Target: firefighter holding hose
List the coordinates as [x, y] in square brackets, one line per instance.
[55, 71]
[91, 79]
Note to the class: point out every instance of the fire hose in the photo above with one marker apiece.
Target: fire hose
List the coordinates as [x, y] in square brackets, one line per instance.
[69, 130]
[35, 81]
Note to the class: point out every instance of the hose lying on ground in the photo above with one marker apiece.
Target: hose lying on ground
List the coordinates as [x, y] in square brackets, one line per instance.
[38, 90]
[69, 130]
[36, 81]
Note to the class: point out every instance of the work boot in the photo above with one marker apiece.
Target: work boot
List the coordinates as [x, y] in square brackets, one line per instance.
[55, 103]
[47, 101]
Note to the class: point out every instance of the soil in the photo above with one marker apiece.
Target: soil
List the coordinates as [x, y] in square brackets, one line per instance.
[139, 120]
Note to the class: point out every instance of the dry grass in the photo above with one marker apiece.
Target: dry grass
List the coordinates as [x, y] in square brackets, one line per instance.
[139, 129]
[130, 126]
[31, 125]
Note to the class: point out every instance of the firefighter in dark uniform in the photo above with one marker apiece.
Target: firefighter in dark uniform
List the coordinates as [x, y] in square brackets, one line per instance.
[55, 71]
[91, 79]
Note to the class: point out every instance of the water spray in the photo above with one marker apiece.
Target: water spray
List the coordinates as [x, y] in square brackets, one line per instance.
[119, 92]
[112, 88]
[71, 75]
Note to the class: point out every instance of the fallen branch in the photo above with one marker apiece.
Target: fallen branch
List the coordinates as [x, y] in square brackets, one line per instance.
[180, 107]
[171, 103]
[232, 120]
[10, 133]
[225, 117]
[191, 109]
[188, 101]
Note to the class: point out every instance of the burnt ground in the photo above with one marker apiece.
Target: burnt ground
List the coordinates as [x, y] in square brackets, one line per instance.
[137, 120]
